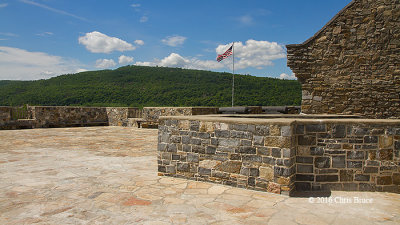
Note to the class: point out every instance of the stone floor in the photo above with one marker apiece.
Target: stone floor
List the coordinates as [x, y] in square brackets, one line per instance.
[108, 175]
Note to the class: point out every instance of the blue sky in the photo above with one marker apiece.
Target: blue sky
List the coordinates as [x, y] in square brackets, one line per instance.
[45, 38]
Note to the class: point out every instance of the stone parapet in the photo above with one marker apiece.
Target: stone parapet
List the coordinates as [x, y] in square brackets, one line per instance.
[152, 114]
[282, 155]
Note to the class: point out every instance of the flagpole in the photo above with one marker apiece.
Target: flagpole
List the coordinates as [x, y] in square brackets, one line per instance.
[233, 72]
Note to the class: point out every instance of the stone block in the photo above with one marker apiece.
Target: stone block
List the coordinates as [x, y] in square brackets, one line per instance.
[306, 140]
[247, 150]
[370, 139]
[315, 128]
[367, 187]
[354, 164]
[268, 160]
[371, 170]
[186, 148]
[274, 130]
[254, 172]
[203, 135]
[385, 154]
[322, 162]
[204, 171]
[183, 167]
[241, 135]
[339, 131]
[304, 159]
[226, 149]
[396, 178]
[280, 142]
[276, 152]
[229, 142]
[299, 129]
[198, 149]
[316, 150]
[303, 186]
[251, 181]
[185, 139]
[162, 147]
[304, 177]
[263, 151]
[327, 178]
[222, 134]
[355, 154]
[361, 177]
[262, 130]
[209, 164]
[245, 142]
[252, 158]
[288, 153]
[192, 157]
[211, 150]
[258, 140]
[384, 180]
[229, 166]
[385, 141]
[350, 187]
[274, 188]
[339, 161]
[346, 175]
[286, 131]
[305, 168]
[172, 148]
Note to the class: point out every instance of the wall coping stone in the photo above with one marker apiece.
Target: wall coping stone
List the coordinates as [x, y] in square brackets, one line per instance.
[234, 118]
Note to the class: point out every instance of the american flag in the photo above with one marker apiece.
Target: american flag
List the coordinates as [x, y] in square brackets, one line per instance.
[225, 55]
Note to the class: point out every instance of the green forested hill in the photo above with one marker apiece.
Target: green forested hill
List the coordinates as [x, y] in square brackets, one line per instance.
[150, 86]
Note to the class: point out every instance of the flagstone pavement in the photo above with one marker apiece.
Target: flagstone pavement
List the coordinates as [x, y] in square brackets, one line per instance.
[108, 175]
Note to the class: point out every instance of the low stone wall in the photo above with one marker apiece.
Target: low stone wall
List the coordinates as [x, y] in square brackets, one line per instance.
[5, 114]
[351, 156]
[66, 116]
[152, 114]
[118, 116]
[232, 152]
[282, 155]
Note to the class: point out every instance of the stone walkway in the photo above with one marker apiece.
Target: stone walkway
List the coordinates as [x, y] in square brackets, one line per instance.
[108, 175]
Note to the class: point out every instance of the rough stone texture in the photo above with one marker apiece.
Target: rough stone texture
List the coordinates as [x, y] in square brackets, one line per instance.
[352, 66]
[5, 115]
[233, 154]
[358, 157]
[294, 155]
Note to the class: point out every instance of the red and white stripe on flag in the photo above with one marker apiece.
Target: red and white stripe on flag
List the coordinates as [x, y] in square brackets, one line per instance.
[226, 54]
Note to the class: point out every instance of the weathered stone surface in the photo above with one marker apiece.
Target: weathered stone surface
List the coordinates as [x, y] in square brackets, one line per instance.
[229, 166]
[346, 68]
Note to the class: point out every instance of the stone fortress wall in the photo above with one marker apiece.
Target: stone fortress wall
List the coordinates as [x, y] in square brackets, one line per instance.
[352, 66]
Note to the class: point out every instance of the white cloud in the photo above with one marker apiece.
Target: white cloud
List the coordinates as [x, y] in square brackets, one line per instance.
[105, 63]
[123, 59]
[8, 34]
[135, 5]
[245, 20]
[97, 42]
[257, 54]
[139, 42]
[45, 34]
[176, 60]
[144, 19]
[174, 40]
[20, 64]
[3, 5]
[287, 76]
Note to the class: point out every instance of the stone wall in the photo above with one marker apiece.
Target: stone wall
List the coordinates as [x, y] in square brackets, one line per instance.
[352, 66]
[259, 157]
[284, 154]
[5, 114]
[348, 156]
[152, 114]
[118, 116]
[65, 116]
